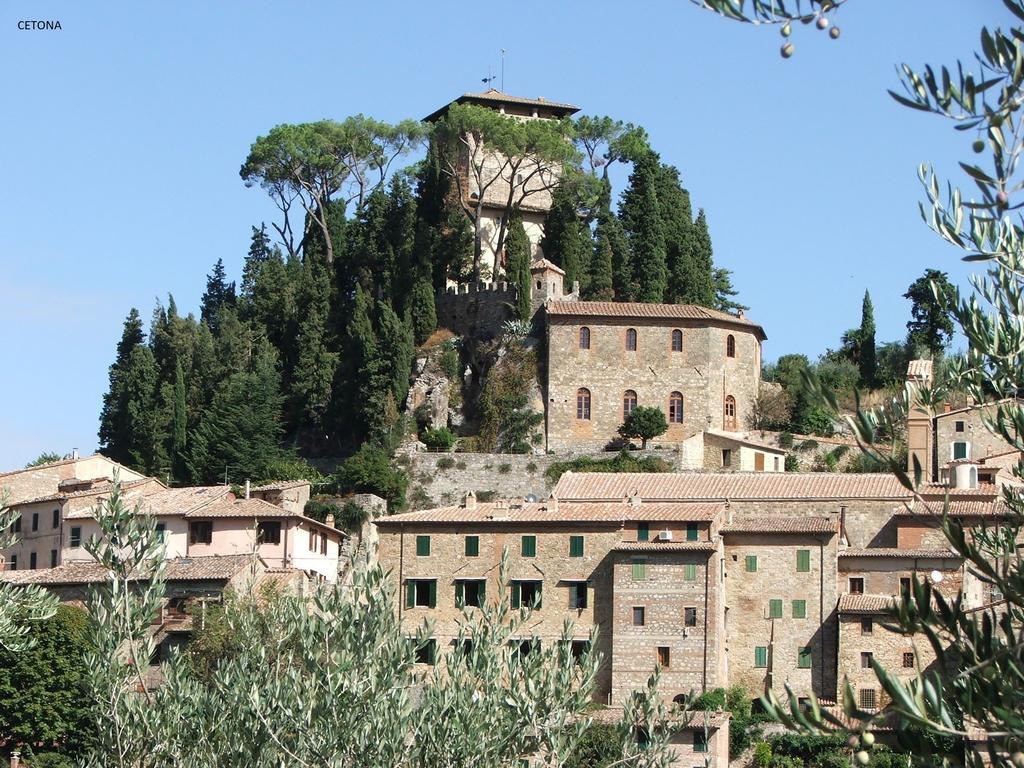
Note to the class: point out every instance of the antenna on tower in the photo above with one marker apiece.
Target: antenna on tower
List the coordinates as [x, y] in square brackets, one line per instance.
[502, 70]
[489, 79]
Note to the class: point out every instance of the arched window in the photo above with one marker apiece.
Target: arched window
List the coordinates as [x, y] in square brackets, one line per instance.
[628, 403]
[677, 340]
[675, 408]
[631, 339]
[730, 412]
[730, 346]
[584, 338]
[583, 404]
[540, 284]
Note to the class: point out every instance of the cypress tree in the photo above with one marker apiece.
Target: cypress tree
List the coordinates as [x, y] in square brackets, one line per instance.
[422, 308]
[401, 234]
[260, 252]
[310, 387]
[125, 432]
[602, 270]
[641, 218]
[219, 292]
[178, 433]
[867, 363]
[517, 264]
[372, 254]
[702, 285]
[384, 374]
[566, 241]
[686, 283]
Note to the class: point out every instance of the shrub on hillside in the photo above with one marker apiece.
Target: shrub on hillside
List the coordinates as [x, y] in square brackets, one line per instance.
[369, 470]
[439, 437]
[621, 462]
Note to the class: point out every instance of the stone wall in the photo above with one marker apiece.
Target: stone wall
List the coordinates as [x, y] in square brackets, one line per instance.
[476, 310]
[701, 372]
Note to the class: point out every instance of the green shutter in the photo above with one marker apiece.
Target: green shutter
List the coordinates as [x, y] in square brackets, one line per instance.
[690, 572]
[774, 609]
[515, 594]
[422, 546]
[639, 570]
[529, 546]
[643, 531]
[751, 563]
[575, 546]
[433, 593]
[483, 592]
[799, 609]
[803, 560]
[472, 546]
[540, 594]
[692, 532]
[761, 656]
[431, 651]
[410, 593]
[804, 659]
[460, 594]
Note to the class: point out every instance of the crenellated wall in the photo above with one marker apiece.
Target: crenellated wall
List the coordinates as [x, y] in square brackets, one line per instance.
[477, 309]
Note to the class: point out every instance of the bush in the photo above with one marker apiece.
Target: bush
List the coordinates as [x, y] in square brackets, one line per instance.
[792, 463]
[451, 364]
[817, 422]
[504, 469]
[348, 517]
[460, 465]
[807, 445]
[48, 760]
[601, 745]
[446, 462]
[762, 754]
[645, 422]
[369, 470]
[531, 467]
[786, 440]
[622, 462]
[507, 423]
[441, 437]
[486, 495]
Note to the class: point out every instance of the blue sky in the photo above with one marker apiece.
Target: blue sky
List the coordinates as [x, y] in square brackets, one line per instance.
[122, 135]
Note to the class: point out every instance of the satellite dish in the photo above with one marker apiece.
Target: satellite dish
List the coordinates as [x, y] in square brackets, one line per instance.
[937, 577]
[530, 499]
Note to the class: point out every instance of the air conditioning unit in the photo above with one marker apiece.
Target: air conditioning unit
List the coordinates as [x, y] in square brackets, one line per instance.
[665, 536]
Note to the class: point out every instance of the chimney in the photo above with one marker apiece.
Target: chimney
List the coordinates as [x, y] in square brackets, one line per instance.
[740, 315]
[552, 504]
[469, 500]
[74, 455]
[247, 487]
[947, 407]
[329, 520]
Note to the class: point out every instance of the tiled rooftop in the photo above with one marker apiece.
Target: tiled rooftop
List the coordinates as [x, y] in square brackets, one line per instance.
[665, 546]
[639, 310]
[162, 501]
[875, 604]
[893, 552]
[782, 525]
[178, 569]
[708, 486]
[284, 485]
[100, 489]
[544, 512]
[995, 508]
[248, 508]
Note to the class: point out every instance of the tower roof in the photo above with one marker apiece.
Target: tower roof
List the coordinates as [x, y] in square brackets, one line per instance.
[495, 99]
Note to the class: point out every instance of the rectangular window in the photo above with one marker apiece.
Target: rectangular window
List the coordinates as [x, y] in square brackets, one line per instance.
[639, 615]
[53, 562]
[323, 545]
[470, 593]
[774, 609]
[313, 540]
[856, 585]
[700, 741]
[422, 546]
[17, 524]
[799, 609]
[804, 658]
[577, 595]
[689, 572]
[867, 698]
[14, 562]
[867, 626]
[161, 529]
[56, 518]
[958, 426]
[908, 660]
[664, 656]
[200, 531]
[643, 531]
[692, 532]
[579, 649]
[472, 546]
[751, 563]
[959, 450]
[268, 532]
[421, 593]
[639, 569]
[35, 521]
[529, 546]
[803, 560]
[865, 659]
[726, 457]
[689, 617]
[761, 657]
[427, 652]
[575, 546]
[526, 594]
[75, 537]
[32, 561]
[905, 589]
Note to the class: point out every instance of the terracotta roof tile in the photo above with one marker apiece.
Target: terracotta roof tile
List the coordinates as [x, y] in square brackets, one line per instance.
[102, 489]
[781, 525]
[178, 569]
[875, 604]
[544, 512]
[640, 310]
[159, 502]
[894, 552]
[918, 369]
[284, 485]
[995, 508]
[720, 486]
[540, 264]
[249, 508]
[665, 546]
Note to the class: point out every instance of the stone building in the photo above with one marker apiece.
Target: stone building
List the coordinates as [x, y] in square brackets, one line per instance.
[527, 181]
[701, 367]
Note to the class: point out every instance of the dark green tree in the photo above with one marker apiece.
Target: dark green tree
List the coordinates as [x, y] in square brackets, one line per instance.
[422, 308]
[384, 375]
[179, 425]
[641, 218]
[689, 279]
[645, 422]
[42, 701]
[703, 288]
[401, 235]
[219, 292]
[46, 457]
[867, 362]
[725, 294]
[268, 292]
[369, 470]
[599, 287]
[931, 326]
[566, 240]
[517, 265]
[310, 388]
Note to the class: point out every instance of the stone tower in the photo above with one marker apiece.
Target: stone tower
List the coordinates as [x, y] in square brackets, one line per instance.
[919, 419]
